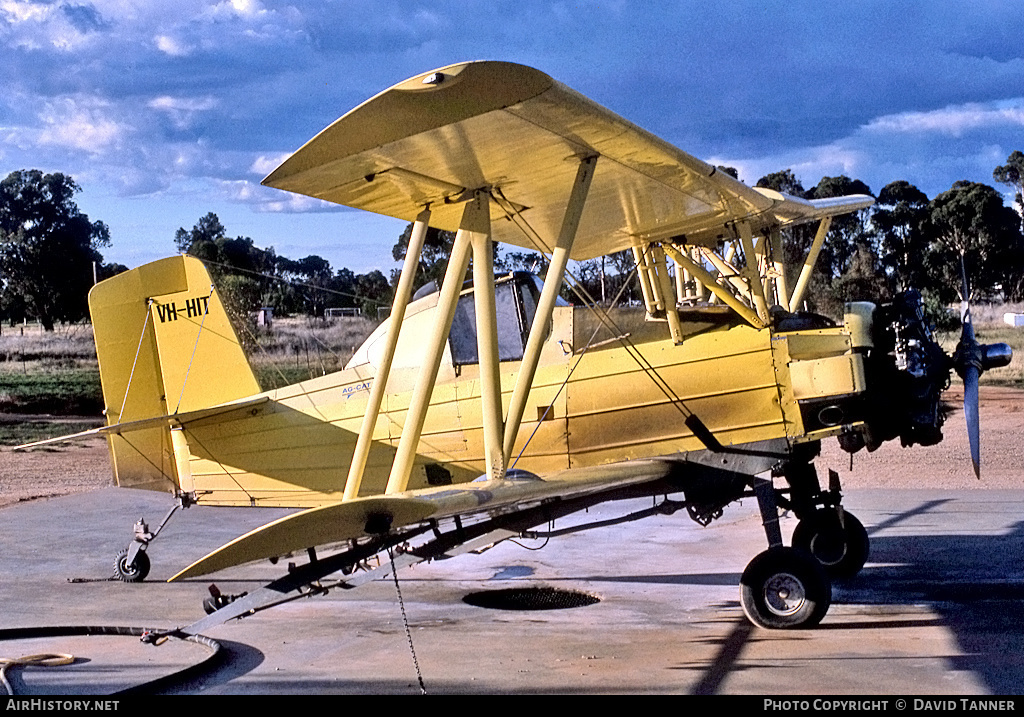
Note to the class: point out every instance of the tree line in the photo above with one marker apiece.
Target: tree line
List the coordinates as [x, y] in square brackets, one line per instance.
[904, 240]
[50, 252]
[908, 240]
[250, 277]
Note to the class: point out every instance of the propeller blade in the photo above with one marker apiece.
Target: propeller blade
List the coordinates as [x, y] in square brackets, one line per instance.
[969, 368]
[971, 416]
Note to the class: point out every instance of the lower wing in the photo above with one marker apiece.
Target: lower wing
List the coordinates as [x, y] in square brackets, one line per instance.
[370, 516]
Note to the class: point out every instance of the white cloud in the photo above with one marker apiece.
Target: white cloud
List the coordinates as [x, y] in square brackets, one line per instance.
[80, 123]
[171, 46]
[247, 8]
[17, 12]
[954, 120]
[809, 164]
[37, 26]
[182, 110]
[264, 165]
[263, 199]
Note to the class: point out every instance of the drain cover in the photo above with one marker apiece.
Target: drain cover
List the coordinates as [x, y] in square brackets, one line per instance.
[530, 599]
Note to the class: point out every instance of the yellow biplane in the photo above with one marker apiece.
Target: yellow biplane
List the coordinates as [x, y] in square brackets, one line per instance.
[490, 406]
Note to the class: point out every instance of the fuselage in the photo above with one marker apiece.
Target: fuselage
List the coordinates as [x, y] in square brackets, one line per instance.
[610, 386]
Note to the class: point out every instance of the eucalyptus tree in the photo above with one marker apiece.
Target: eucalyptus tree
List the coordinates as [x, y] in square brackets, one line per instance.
[970, 224]
[49, 249]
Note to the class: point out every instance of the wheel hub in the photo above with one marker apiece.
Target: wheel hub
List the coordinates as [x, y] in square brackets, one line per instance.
[784, 594]
[829, 546]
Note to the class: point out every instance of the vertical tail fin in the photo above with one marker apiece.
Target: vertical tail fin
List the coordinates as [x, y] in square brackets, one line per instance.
[165, 345]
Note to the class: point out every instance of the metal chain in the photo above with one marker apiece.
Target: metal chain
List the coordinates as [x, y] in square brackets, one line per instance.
[405, 621]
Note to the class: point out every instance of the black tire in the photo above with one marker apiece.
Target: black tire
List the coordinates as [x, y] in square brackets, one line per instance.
[785, 588]
[841, 549]
[131, 573]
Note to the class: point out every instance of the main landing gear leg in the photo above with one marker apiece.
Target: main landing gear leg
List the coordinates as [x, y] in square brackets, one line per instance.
[832, 535]
[782, 587]
[132, 564]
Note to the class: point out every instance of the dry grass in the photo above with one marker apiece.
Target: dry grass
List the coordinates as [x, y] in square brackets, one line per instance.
[301, 348]
[992, 314]
[989, 329]
[49, 373]
[56, 373]
[69, 346]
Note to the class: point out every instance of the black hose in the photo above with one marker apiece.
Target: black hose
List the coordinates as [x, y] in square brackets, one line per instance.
[175, 679]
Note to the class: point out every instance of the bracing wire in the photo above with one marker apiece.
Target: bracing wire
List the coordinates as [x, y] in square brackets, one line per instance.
[192, 359]
[565, 382]
[131, 375]
[291, 282]
[577, 287]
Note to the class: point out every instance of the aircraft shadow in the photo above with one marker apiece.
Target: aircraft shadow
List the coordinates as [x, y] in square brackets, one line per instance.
[973, 583]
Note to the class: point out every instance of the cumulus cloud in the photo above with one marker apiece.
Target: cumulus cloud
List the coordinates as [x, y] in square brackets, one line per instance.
[40, 26]
[202, 98]
[80, 123]
[931, 149]
[171, 46]
[242, 8]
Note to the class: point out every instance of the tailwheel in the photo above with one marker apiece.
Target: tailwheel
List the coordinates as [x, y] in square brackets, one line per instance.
[785, 588]
[135, 572]
[836, 539]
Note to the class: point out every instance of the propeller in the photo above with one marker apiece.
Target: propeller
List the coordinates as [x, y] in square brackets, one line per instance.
[970, 360]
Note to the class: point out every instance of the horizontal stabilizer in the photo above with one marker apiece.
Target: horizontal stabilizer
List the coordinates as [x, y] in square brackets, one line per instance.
[180, 419]
[351, 520]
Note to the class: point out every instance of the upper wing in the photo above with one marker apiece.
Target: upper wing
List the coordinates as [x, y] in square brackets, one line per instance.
[517, 131]
[349, 520]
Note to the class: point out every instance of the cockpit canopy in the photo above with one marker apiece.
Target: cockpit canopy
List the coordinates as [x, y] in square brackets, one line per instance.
[515, 297]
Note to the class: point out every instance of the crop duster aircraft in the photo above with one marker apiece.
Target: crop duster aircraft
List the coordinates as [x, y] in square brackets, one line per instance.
[489, 407]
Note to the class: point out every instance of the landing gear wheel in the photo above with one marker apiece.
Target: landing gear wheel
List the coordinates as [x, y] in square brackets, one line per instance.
[841, 549]
[785, 588]
[131, 573]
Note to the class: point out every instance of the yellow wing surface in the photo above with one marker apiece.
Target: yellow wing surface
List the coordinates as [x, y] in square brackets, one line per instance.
[520, 133]
[346, 521]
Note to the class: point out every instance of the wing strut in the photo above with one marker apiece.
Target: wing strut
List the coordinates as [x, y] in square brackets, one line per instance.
[474, 217]
[402, 293]
[708, 280]
[666, 295]
[778, 268]
[750, 271]
[487, 338]
[812, 257]
[549, 294]
[473, 238]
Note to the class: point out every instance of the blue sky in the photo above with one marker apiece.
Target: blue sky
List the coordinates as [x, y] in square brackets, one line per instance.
[164, 111]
